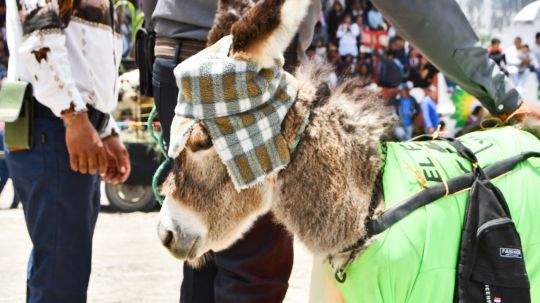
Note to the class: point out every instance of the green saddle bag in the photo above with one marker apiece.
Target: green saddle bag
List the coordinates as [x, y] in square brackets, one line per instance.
[16, 111]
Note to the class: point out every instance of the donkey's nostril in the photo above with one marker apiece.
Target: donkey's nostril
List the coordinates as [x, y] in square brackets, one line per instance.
[168, 238]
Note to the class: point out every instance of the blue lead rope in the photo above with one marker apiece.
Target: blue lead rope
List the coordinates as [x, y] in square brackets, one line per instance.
[163, 149]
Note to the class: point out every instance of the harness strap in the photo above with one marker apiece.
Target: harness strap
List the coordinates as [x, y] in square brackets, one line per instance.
[462, 150]
[435, 192]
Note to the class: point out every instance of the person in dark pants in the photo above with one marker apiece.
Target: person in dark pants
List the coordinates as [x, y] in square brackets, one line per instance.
[61, 49]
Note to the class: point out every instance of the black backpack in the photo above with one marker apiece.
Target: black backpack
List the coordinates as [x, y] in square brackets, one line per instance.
[491, 264]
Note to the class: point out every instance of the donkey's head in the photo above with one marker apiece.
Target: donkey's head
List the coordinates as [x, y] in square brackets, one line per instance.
[203, 211]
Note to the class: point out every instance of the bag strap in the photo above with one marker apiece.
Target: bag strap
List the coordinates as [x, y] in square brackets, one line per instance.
[437, 191]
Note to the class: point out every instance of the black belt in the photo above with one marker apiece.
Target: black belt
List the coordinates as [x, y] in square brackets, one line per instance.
[98, 119]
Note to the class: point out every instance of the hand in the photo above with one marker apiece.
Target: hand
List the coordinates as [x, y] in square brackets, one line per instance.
[530, 109]
[119, 166]
[527, 109]
[86, 152]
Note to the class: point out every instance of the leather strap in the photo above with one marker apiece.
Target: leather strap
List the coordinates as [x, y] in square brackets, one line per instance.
[435, 192]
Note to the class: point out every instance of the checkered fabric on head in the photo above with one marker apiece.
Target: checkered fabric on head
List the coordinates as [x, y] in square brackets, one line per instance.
[241, 105]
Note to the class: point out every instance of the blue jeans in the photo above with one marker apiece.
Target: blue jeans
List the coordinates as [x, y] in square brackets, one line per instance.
[404, 133]
[60, 210]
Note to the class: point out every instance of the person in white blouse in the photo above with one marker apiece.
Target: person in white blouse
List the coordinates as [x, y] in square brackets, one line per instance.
[69, 51]
[347, 34]
[518, 64]
[536, 53]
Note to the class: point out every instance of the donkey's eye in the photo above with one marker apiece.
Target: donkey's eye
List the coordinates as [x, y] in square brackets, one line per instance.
[199, 140]
[203, 144]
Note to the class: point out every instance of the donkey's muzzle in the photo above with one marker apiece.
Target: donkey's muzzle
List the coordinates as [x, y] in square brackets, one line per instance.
[180, 245]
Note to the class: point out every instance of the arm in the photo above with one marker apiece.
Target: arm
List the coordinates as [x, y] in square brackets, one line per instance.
[44, 55]
[340, 31]
[425, 116]
[148, 7]
[416, 107]
[442, 33]
[355, 30]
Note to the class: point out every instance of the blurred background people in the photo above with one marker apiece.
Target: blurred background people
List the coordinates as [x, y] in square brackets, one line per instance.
[347, 34]
[496, 53]
[518, 64]
[375, 19]
[476, 117]
[407, 108]
[536, 53]
[334, 19]
[429, 111]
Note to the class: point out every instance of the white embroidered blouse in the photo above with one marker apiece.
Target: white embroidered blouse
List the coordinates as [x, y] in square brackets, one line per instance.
[68, 50]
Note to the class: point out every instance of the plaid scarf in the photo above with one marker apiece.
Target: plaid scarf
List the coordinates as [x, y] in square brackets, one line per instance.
[241, 106]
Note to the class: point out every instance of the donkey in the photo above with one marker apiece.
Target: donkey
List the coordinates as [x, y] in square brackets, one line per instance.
[330, 187]
[334, 166]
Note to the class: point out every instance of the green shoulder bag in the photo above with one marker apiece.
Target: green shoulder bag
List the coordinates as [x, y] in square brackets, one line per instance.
[16, 111]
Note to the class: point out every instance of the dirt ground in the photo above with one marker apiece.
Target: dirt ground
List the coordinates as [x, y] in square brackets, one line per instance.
[129, 264]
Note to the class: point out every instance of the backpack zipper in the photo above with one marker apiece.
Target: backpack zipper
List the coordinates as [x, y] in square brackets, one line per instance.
[494, 222]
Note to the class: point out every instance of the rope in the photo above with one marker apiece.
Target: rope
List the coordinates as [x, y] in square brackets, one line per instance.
[163, 149]
[301, 131]
[504, 119]
[157, 177]
[437, 167]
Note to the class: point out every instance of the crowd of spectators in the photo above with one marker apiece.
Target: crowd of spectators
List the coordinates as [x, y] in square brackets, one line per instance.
[354, 37]
[518, 60]
[360, 44]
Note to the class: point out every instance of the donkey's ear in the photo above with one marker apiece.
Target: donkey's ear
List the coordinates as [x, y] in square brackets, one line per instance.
[266, 30]
[228, 12]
